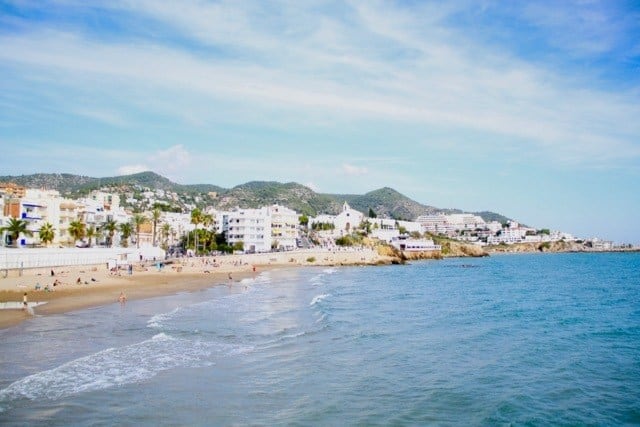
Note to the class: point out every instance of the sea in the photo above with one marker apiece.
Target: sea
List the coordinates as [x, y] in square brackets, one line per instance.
[526, 339]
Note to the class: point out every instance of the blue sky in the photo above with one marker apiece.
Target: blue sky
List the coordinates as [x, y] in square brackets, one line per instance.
[527, 108]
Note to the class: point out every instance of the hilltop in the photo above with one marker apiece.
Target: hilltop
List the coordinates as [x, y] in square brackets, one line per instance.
[384, 202]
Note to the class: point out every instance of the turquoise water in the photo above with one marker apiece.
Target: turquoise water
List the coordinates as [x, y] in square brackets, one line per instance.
[515, 339]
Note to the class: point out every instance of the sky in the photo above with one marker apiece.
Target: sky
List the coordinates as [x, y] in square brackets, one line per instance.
[526, 108]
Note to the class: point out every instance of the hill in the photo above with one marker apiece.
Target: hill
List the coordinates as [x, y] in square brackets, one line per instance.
[385, 202]
[292, 195]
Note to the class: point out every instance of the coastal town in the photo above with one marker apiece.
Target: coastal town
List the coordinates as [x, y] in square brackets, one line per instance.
[39, 218]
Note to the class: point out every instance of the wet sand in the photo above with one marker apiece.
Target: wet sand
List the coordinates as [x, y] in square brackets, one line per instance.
[98, 286]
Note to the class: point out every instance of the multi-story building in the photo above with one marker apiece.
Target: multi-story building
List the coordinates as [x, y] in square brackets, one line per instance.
[284, 227]
[251, 227]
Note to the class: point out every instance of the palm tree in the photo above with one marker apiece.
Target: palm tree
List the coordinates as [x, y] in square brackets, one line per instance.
[196, 218]
[110, 226]
[155, 215]
[138, 220]
[77, 230]
[125, 230]
[16, 227]
[165, 230]
[46, 233]
[207, 220]
[91, 233]
[99, 235]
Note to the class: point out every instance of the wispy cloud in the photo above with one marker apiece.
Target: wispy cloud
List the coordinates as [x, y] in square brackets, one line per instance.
[132, 169]
[349, 169]
[360, 61]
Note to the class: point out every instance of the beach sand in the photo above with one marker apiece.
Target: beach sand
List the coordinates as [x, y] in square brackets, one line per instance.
[98, 286]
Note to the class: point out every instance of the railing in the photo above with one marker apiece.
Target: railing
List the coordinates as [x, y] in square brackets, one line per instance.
[17, 258]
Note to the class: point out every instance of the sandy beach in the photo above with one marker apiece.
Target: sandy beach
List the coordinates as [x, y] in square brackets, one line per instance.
[81, 287]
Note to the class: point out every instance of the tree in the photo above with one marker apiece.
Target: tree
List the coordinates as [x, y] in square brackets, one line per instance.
[15, 228]
[77, 230]
[155, 216]
[238, 246]
[196, 218]
[138, 220]
[207, 221]
[304, 220]
[125, 233]
[46, 233]
[91, 233]
[372, 214]
[165, 230]
[110, 226]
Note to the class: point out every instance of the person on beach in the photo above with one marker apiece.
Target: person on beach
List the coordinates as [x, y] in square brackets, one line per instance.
[122, 298]
[25, 304]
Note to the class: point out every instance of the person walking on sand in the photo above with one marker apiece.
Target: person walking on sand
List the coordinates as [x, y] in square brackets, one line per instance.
[25, 304]
[122, 298]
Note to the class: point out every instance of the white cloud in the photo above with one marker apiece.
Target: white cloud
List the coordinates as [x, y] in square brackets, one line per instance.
[131, 169]
[172, 160]
[170, 163]
[353, 170]
[377, 63]
[109, 117]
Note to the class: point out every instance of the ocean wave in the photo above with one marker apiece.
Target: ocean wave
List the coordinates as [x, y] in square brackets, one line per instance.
[159, 320]
[318, 299]
[115, 367]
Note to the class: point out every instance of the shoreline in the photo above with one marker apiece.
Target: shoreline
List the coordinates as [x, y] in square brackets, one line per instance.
[82, 287]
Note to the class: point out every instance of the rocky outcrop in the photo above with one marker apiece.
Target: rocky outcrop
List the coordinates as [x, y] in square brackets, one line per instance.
[451, 248]
[559, 246]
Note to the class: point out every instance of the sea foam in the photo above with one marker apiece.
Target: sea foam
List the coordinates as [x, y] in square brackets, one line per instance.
[112, 367]
[318, 299]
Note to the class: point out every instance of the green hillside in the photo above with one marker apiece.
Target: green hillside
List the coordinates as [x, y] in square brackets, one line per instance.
[385, 202]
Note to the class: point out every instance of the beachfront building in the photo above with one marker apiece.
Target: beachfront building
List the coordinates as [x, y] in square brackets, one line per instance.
[435, 224]
[408, 244]
[108, 201]
[249, 227]
[450, 224]
[37, 208]
[284, 227]
[342, 224]
[387, 229]
[179, 225]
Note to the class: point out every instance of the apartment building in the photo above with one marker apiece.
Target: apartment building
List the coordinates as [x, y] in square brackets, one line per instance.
[251, 227]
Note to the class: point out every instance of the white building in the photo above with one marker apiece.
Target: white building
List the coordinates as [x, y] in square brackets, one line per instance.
[251, 227]
[407, 244]
[344, 223]
[388, 229]
[454, 223]
[284, 227]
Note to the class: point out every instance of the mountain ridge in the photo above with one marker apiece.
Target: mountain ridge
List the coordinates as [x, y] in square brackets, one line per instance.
[384, 202]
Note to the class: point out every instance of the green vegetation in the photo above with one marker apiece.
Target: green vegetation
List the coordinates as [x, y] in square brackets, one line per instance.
[15, 228]
[77, 230]
[322, 226]
[125, 233]
[46, 233]
[311, 259]
[384, 202]
[110, 227]
[350, 240]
